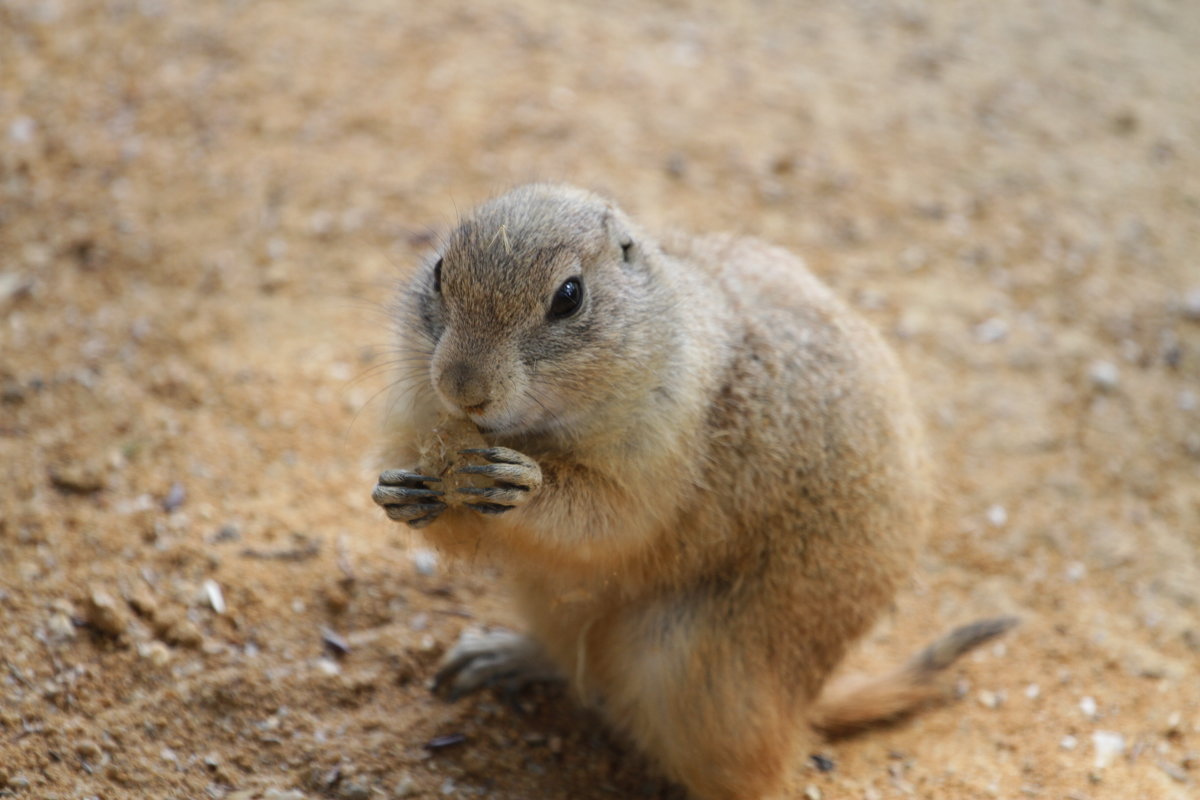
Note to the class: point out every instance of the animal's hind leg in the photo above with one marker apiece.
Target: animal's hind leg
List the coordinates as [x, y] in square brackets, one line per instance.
[715, 718]
[501, 659]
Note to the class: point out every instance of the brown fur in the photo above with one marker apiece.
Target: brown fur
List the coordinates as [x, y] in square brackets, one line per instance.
[733, 480]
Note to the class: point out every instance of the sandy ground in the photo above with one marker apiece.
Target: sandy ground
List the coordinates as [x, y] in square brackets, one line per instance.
[204, 207]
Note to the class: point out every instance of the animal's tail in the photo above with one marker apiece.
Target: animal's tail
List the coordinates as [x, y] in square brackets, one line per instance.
[850, 704]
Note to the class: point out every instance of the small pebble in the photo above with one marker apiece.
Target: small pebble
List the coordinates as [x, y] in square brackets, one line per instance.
[822, 763]
[442, 742]
[997, 516]
[156, 653]
[1174, 771]
[21, 130]
[1033, 691]
[60, 626]
[227, 533]
[104, 614]
[351, 790]
[425, 561]
[1104, 375]
[1075, 571]
[405, 787]
[175, 629]
[1191, 304]
[143, 602]
[1108, 746]
[175, 498]
[1068, 742]
[88, 750]
[334, 642]
[812, 792]
[989, 699]
[216, 599]
[991, 331]
[78, 478]
[13, 284]
[1088, 706]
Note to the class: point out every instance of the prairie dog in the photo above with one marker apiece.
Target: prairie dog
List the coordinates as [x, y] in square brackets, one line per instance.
[707, 479]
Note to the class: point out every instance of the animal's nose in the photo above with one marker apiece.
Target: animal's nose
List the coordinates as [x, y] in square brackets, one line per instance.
[463, 385]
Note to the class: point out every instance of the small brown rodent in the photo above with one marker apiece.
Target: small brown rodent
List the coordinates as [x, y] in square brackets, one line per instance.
[706, 479]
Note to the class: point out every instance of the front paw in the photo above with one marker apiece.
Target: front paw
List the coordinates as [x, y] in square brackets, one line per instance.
[518, 478]
[406, 497]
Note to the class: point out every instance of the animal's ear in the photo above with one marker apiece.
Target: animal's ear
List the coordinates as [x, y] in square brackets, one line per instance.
[619, 234]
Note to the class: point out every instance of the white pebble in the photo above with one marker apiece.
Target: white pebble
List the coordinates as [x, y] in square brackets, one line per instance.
[1187, 400]
[284, 794]
[405, 787]
[21, 130]
[1033, 691]
[1088, 706]
[1191, 304]
[216, 599]
[1104, 375]
[1068, 742]
[1108, 746]
[1075, 571]
[425, 561]
[812, 792]
[155, 652]
[60, 626]
[991, 331]
[997, 515]
[989, 699]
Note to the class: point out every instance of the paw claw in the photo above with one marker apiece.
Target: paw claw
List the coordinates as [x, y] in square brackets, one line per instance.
[390, 495]
[399, 477]
[489, 508]
[517, 479]
[404, 497]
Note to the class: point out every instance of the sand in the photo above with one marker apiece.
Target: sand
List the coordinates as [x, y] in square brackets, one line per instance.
[205, 208]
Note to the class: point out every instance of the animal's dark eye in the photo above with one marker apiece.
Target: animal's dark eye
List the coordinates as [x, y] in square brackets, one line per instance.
[437, 276]
[567, 299]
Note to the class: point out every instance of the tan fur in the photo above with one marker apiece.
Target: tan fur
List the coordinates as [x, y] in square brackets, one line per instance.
[733, 482]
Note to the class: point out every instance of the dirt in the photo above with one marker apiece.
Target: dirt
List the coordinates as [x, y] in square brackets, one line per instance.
[205, 207]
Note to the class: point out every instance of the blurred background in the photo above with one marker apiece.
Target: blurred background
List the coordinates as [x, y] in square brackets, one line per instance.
[206, 206]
